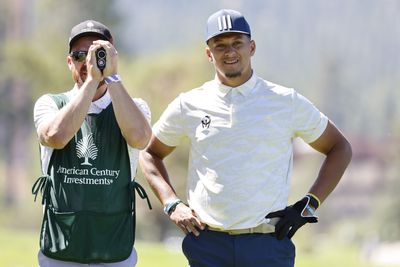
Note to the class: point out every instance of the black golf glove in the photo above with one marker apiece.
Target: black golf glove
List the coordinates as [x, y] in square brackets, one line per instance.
[295, 216]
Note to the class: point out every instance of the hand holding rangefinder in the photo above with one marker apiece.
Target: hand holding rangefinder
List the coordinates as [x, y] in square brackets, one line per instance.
[101, 58]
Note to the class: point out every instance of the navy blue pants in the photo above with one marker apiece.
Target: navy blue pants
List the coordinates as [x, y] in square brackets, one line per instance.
[217, 249]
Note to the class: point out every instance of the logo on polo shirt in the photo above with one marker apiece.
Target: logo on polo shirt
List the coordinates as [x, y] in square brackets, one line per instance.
[86, 149]
[205, 122]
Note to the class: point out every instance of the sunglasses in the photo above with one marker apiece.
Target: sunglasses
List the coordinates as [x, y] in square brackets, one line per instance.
[79, 56]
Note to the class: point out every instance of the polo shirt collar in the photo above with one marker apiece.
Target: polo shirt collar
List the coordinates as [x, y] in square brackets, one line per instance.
[244, 89]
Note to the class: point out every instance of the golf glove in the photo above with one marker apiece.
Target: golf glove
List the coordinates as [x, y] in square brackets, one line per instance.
[295, 216]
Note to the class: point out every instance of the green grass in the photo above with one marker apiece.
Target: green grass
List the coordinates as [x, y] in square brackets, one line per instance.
[156, 254]
[19, 248]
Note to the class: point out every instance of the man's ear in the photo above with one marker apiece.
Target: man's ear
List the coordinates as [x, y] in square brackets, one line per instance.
[70, 62]
[209, 55]
[252, 47]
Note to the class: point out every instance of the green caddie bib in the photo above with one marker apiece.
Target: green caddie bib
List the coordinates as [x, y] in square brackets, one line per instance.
[88, 194]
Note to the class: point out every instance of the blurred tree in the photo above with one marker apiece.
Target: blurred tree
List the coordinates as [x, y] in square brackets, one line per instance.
[387, 212]
[15, 106]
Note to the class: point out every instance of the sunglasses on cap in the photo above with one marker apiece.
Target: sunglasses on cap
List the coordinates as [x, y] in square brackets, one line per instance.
[79, 56]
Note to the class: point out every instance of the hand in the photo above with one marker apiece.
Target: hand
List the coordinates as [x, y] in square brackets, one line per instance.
[292, 218]
[186, 219]
[111, 60]
[111, 57]
[92, 70]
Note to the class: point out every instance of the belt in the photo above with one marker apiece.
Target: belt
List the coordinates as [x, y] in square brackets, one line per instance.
[264, 228]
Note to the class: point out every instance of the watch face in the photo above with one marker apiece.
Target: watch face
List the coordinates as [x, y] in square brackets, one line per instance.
[166, 210]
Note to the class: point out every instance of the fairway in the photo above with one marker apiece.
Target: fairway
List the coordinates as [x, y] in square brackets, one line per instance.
[18, 248]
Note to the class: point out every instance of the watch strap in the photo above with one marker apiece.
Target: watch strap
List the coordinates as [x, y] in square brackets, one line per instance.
[170, 206]
[112, 79]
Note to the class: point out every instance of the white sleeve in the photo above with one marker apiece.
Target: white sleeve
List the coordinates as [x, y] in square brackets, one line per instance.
[45, 108]
[170, 128]
[309, 123]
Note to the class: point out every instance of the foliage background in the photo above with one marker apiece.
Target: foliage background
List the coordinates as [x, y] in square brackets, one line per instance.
[343, 55]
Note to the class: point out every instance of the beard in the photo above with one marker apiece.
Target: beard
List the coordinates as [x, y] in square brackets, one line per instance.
[78, 79]
[233, 74]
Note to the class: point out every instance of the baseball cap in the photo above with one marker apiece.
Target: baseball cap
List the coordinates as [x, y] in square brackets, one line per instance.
[224, 21]
[89, 27]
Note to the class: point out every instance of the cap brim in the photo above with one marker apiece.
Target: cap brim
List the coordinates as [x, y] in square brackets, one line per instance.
[221, 33]
[101, 37]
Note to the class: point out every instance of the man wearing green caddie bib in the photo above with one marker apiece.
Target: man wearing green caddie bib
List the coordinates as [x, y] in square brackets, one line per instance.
[90, 138]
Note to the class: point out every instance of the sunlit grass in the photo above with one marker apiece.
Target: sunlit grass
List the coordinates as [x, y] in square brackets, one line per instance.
[19, 248]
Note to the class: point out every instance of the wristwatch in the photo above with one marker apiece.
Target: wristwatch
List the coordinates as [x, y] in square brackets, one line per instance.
[311, 206]
[170, 206]
[112, 79]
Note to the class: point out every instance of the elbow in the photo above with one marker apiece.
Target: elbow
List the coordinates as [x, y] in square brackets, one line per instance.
[140, 139]
[343, 150]
[348, 151]
[142, 144]
[54, 140]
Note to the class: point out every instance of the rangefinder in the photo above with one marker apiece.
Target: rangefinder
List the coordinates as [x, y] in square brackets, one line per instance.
[101, 58]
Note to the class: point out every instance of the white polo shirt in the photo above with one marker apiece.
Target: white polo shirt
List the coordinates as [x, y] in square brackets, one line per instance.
[241, 147]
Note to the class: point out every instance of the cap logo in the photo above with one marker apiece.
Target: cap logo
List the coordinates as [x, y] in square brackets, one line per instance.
[90, 24]
[224, 22]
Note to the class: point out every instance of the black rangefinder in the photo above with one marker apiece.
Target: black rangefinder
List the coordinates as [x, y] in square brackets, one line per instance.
[101, 58]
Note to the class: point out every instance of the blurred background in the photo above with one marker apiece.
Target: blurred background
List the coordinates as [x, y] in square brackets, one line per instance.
[342, 55]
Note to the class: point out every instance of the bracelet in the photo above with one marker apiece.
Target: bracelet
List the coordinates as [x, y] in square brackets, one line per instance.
[314, 200]
[113, 79]
[170, 207]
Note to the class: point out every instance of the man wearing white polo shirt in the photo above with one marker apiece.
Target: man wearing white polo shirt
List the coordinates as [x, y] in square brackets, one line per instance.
[241, 130]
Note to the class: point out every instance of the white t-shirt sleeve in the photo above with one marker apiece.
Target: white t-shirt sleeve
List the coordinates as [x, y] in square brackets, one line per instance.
[169, 129]
[45, 108]
[309, 123]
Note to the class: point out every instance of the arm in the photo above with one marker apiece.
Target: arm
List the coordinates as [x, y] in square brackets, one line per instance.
[133, 124]
[152, 165]
[151, 162]
[56, 131]
[338, 155]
